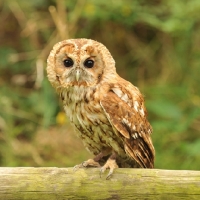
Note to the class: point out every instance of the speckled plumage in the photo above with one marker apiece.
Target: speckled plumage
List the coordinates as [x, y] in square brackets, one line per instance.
[107, 111]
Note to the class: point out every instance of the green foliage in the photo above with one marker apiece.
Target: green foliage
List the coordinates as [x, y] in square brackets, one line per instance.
[155, 45]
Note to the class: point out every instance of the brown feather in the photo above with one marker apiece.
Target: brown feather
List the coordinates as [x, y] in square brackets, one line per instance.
[132, 127]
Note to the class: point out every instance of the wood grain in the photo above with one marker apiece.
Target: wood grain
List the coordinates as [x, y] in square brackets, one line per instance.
[64, 183]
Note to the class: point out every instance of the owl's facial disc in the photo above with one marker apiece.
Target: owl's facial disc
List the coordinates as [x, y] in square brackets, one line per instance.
[78, 65]
[78, 71]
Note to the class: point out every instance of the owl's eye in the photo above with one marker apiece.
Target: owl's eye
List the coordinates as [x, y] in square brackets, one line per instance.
[68, 62]
[89, 63]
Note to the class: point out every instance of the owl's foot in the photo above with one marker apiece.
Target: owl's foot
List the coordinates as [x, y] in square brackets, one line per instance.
[110, 164]
[87, 163]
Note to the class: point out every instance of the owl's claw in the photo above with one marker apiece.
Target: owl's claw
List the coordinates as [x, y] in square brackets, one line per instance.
[87, 163]
[111, 164]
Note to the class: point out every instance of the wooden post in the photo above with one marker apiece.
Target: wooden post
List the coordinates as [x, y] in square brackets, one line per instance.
[21, 183]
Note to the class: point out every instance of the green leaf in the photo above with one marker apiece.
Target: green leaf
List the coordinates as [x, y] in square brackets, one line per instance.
[164, 108]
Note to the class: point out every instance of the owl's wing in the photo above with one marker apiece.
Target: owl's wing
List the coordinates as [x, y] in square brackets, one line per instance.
[127, 115]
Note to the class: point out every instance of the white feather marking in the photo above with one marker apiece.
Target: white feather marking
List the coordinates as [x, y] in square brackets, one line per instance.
[118, 92]
[129, 124]
[125, 98]
[149, 131]
[125, 121]
[142, 112]
[133, 135]
[121, 95]
[136, 106]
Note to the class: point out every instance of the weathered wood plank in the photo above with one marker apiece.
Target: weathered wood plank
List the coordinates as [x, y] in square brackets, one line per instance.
[31, 183]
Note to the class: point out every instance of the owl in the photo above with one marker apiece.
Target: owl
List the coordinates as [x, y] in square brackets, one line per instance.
[107, 111]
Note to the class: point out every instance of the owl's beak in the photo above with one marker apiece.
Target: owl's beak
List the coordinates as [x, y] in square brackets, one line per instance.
[77, 74]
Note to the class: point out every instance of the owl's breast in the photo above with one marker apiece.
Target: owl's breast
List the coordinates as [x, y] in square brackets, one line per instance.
[83, 108]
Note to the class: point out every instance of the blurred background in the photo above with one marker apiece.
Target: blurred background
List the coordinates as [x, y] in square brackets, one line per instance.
[156, 45]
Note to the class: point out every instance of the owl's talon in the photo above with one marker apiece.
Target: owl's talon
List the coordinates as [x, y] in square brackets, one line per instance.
[109, 174]
[87, 163]
[102, 170]
[111, 164]
[76, 167]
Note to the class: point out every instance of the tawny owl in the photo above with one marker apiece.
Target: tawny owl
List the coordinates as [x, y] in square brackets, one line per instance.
[107, 111]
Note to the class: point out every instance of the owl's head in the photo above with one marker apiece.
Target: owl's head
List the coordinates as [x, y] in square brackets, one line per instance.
[79, 62]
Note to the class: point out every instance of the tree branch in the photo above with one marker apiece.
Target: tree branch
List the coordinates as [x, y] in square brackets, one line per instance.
[64, 183]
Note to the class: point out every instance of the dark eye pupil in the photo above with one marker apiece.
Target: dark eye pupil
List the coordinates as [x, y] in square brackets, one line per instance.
[68, 62]
[89, 63]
